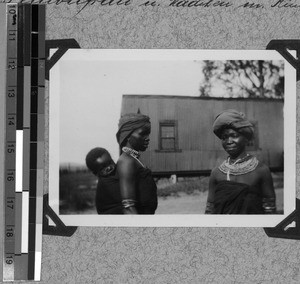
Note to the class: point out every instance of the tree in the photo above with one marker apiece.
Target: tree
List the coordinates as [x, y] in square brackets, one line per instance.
[243, 78]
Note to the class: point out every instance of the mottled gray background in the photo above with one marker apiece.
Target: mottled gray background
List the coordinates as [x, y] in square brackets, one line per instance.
[170, 255]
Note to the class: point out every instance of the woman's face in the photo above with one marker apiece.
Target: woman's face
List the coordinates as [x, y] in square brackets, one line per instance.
[139, 139]
[233, 142]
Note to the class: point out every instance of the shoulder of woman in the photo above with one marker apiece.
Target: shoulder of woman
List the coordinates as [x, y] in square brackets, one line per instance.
[262, 167]
[126, 163]
[214, 171]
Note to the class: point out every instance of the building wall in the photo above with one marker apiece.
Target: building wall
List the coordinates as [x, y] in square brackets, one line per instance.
[200, 149]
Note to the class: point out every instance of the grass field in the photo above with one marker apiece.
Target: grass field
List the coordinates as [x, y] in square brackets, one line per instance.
[188, 196]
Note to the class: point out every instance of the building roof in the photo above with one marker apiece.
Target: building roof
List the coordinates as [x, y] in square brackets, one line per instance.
[198, 98]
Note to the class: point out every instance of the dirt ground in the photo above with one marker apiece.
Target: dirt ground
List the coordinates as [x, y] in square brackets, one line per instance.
[185, 197]
[195, 203]
[184, 204]
[189, 204]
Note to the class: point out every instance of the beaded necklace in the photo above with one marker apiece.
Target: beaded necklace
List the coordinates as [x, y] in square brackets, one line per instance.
[239, 167]
[133, 153]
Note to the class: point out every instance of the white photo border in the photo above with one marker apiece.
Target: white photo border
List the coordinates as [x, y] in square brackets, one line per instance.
[177, 220]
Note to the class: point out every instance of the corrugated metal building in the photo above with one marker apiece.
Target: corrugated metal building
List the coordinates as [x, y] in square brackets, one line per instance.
[182, 141]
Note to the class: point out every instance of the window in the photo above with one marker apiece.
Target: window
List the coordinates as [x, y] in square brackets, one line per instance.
[168, 135]
[253, 144]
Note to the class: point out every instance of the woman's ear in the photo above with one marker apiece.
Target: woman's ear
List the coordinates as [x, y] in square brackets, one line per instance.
[128, 140]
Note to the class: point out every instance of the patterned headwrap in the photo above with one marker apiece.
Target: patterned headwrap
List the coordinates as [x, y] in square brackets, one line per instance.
[233, 119]
[128, 123]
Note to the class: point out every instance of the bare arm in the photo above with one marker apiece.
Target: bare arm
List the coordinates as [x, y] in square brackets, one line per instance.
[268, 192]
[127, 171]
[211, 193]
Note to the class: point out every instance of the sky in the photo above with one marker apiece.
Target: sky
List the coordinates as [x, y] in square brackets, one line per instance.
[90, 96]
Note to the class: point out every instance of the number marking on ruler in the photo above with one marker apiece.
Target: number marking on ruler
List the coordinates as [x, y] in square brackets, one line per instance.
[10, 148]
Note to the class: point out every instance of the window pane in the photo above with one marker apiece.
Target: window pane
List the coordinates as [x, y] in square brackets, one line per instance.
[167, 131]
[168, 144]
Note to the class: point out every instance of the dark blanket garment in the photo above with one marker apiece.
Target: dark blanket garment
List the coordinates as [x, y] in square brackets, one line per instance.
[108, 196]
[147, 192]
[237, 198]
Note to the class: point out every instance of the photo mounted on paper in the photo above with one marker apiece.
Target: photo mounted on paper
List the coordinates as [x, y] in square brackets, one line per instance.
[172, 138]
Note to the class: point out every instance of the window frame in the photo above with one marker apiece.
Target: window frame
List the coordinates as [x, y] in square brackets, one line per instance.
[172, 123]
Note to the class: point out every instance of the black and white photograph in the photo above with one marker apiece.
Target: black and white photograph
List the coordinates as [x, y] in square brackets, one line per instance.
[172, 138]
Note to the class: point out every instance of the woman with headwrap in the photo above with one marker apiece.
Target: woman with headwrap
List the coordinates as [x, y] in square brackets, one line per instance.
[241, 184]
[137, 187]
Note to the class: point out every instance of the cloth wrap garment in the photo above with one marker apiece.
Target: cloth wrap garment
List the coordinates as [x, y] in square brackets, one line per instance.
[237, 198]
[128, 123]
[108, 196]
[234, 120]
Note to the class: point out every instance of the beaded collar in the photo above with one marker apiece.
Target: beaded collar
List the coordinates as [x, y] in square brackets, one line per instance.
[239, 167]
[133, 153]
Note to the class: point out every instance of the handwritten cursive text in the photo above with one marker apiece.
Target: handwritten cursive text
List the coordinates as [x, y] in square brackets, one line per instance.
[199, 3]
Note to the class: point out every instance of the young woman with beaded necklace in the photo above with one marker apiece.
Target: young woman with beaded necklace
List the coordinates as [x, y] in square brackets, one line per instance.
[241, 184]
[137, 187]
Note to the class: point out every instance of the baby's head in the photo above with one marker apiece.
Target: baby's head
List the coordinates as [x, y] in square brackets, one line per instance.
[99, 161]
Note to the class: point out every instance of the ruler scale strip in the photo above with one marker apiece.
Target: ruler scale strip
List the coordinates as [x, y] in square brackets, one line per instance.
[10, 148]
[26, 49]
[24, 157]
[40, 138]
[33, 150]
[21, 262]
[37, 134]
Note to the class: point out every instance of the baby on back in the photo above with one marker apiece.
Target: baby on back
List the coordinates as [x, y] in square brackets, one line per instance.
[108, 197]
